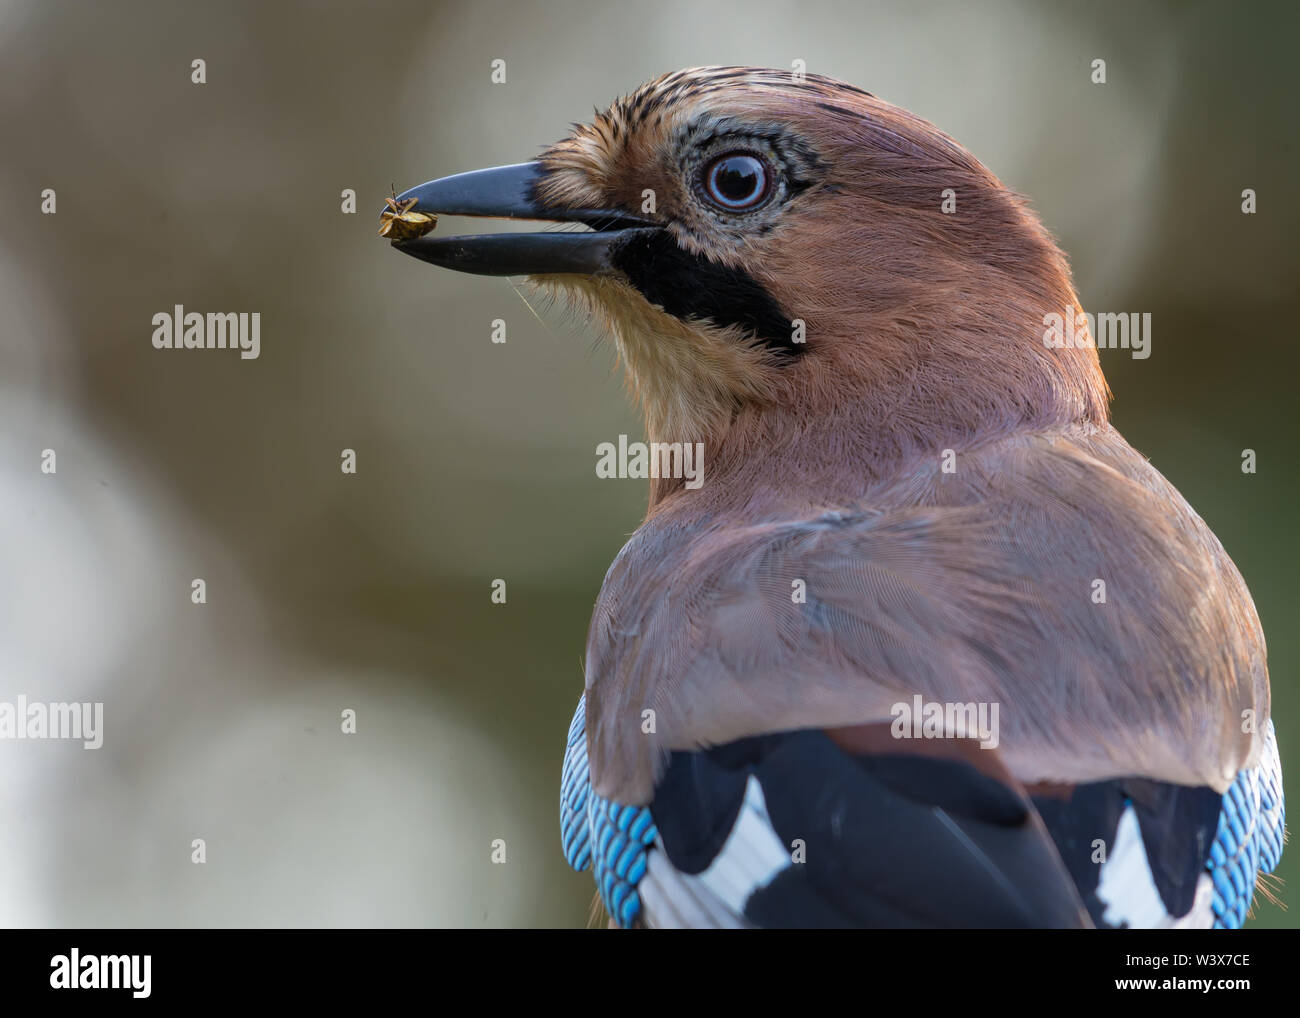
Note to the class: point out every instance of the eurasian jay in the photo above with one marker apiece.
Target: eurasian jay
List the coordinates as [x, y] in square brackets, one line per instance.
[910, 497]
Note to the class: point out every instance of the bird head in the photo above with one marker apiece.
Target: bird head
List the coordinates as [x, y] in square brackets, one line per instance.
[790, 263]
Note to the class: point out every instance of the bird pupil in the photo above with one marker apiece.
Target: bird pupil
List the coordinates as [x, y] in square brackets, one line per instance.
[736, 181]
[736, 178]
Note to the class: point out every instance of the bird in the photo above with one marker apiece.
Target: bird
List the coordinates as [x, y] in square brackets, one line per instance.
[913, 511]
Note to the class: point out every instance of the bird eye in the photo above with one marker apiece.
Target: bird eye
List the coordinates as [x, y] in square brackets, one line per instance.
[737, 181]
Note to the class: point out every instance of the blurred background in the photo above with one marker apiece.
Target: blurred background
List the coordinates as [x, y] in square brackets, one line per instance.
[475, 461]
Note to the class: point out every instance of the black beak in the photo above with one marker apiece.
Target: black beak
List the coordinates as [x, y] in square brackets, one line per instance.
[510, 192]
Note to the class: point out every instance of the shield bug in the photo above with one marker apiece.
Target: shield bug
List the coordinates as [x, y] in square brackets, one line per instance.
[397, 222]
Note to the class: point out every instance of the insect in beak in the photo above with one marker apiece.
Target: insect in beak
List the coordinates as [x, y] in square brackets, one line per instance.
[510, 192]
[399, 223]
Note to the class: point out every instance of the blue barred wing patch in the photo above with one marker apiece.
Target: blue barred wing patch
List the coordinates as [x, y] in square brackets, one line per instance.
[621, 837]
[596, 832]
[575, 781]
[1249, 838]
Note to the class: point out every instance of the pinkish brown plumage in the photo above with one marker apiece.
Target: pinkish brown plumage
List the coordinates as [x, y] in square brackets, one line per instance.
[925, 333]
[922, 345]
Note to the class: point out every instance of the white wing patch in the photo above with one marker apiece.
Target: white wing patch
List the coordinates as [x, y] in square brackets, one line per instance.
[750, 858]
[1129, 892]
